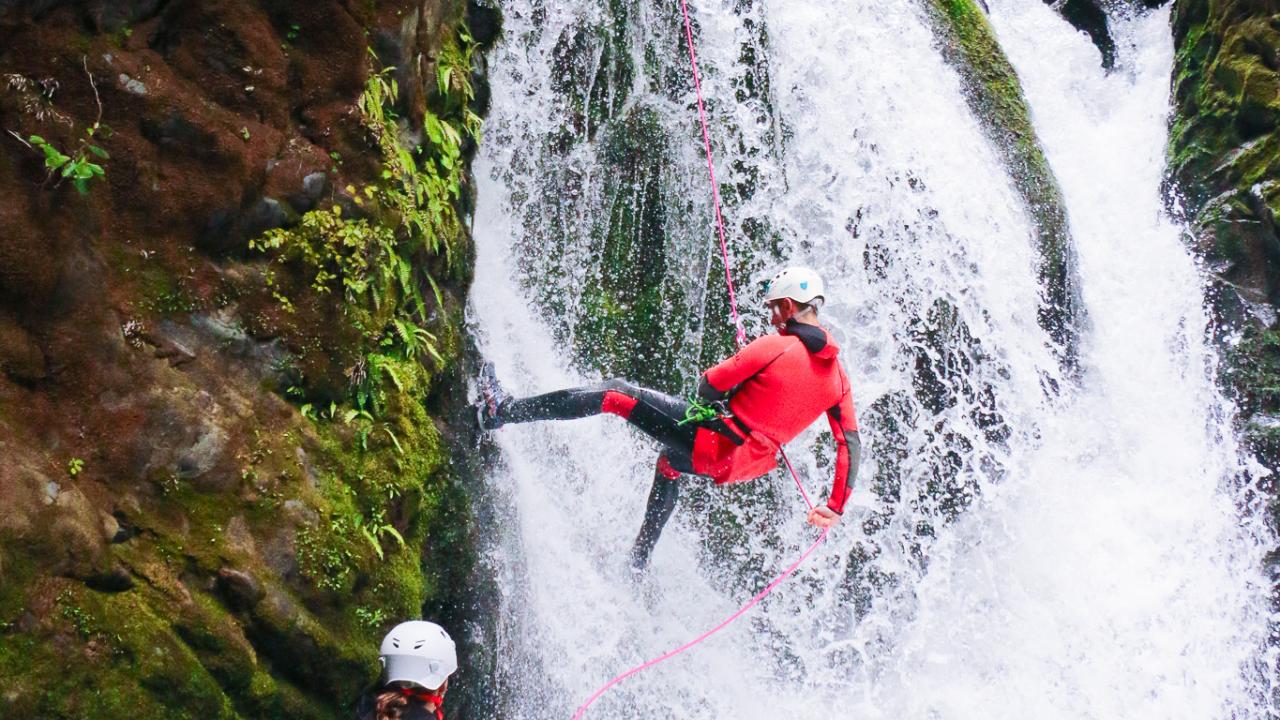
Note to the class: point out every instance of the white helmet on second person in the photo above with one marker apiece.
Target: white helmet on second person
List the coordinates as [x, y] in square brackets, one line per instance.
[419, 652]
[798, 283]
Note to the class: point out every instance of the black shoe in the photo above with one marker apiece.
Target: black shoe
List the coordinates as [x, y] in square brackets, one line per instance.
[492, 396]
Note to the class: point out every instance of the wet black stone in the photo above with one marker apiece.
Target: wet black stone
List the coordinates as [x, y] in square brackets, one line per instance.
[1090, 17]
[314, 186]
[485, 20]
[266, 214]
[125, 531]
[116, 581]
[109, 16]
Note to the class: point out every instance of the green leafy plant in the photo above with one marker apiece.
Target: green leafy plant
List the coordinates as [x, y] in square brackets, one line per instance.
[84, 623]
[371, 618]
[78, 165]
[453, 78]
[75, 466]
[308, 410]
[375, 528]
[366, 425]
[377, 249]
[326, 556]
[341, 253]
[415, 340]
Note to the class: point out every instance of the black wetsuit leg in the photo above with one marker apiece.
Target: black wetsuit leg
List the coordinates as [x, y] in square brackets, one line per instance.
[657, 511]
[658, 415]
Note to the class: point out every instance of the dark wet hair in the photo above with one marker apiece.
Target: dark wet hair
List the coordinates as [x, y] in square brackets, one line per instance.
[390, 705]
[389, 702]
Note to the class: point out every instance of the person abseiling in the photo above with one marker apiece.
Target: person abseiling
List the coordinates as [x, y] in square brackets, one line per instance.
[417, 658]
[746, 408]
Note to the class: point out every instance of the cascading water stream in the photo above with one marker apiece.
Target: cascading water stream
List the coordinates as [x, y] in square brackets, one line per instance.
[1011, 551]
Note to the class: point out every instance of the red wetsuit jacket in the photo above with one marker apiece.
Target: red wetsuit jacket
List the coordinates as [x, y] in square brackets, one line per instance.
[777, 386]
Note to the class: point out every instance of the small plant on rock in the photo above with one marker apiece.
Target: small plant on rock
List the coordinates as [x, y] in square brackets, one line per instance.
[78, 168]
[78, 165]
[79, 618]
[377, 526]
[371, 618]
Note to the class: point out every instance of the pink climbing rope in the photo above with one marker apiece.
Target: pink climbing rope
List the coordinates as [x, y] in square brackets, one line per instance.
[741, 339]
[795, 477]
[741, 335]
[582, 710]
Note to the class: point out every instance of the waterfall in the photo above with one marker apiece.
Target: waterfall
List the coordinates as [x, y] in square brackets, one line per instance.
[1020, 544]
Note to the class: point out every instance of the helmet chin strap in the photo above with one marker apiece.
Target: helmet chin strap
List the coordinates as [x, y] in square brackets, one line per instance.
[426, 697]
[809, 316]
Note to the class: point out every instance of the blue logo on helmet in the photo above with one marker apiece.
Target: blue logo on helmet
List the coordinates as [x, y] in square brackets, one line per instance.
[804, 285]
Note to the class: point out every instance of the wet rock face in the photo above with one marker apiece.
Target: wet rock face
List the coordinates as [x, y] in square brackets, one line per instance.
[994, 95]
[105, 16]
[20, 355]
[1225, 140]
[171, 525]
[1224, 174]
[1090, 18]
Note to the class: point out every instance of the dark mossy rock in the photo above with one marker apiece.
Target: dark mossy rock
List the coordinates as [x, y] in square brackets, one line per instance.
[594, 56]
[485, 20]
[994, 95]
[1224, 157]
[633, 310]
[1224, 179]
[1091, 18]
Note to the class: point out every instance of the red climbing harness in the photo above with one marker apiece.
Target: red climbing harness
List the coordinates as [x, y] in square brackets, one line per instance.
[741, 338]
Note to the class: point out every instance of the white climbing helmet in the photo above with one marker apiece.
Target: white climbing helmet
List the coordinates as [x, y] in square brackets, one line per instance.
[798, 283]
[419, 652]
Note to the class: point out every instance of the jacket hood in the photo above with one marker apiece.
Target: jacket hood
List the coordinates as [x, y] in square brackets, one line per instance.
[814, 338]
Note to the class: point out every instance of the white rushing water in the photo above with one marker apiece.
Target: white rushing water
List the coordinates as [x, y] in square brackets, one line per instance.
[1101, 562]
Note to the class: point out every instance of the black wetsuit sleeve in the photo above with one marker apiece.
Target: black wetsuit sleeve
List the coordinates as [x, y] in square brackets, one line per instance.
[708, 392]
[844, 430]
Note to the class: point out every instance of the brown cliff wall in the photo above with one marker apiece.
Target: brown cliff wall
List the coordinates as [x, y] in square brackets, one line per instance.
[226, 472]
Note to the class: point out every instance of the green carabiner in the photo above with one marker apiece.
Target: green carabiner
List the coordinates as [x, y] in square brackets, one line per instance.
[698, 412]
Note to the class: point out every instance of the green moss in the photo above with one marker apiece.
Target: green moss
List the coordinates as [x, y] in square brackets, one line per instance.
[596, 56]
[376, 327]
[384, 259]
[1253, 371]
[106, 656]
[1224, 163]
[995, 97]
[173, 648]
[1254, 367]
[18, 570]
[634, 312]
[1226, 92]
[329, 660]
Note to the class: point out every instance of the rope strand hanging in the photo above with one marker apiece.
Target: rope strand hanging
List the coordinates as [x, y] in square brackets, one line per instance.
[740, 338]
